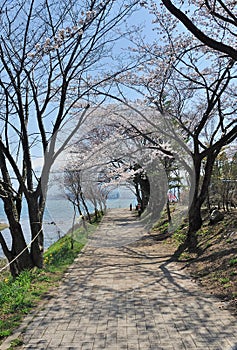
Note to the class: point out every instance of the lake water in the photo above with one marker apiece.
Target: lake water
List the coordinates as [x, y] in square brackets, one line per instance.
[58, 218]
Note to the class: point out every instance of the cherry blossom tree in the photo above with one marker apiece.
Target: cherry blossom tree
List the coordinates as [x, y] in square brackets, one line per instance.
[123, 146]
[74, 191]
[51, 56]
[213, 23]
[194, 87]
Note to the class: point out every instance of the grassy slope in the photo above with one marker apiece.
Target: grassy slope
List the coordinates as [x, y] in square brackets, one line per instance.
[215, 268]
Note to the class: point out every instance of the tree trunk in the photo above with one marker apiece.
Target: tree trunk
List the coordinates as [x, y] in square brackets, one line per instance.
[145, 191]
[139, 200]
[168, 211]
[78, 206]
[199, 193]
[18, 255]
[194, 213]
[20, 250]
[86, 208]
[195, 223]
[37, 236]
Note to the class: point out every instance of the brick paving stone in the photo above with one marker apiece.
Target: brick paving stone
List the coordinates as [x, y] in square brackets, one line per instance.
[119, 295]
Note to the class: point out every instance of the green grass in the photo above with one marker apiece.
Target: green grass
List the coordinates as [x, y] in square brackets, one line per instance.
[18, 296]
[179, 236]
[224, 280]
[233, 262]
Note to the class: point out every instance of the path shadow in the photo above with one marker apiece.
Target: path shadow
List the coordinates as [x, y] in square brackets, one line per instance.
[117, 294]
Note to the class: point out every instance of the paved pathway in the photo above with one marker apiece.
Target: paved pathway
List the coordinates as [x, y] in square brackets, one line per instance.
[121, 295]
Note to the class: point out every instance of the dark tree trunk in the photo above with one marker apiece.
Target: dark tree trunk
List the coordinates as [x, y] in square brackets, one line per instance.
[195, 223]
[78, 206]
[142, 190]
[86, 208]
[199, 193]
[145, 191]
[168, 211]
[18, 256]
[36, 224]
[96, 214]
[19, 250]
[139, 200]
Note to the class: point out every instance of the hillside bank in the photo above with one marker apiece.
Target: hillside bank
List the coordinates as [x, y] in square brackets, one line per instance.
[214, 268]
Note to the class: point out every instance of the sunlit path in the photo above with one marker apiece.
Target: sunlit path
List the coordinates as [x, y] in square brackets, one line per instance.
[120, 294]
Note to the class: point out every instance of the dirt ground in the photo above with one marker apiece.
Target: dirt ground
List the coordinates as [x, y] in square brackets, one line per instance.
[215, 268]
